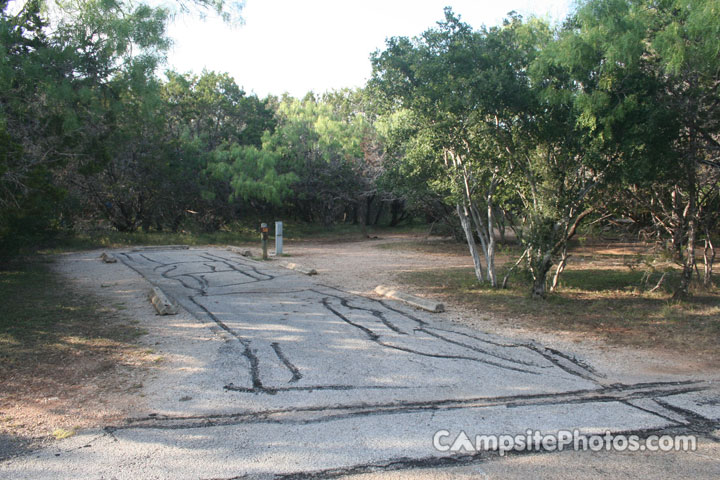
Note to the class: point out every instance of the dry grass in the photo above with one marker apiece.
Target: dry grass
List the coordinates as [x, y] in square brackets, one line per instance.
[64, 357]
[602, 294]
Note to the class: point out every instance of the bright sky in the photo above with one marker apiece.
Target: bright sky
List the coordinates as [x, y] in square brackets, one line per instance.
[296, 46]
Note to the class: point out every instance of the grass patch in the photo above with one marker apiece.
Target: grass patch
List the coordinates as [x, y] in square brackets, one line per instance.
[113, 239]
[41, 317]
[603, 302]
[611, 280]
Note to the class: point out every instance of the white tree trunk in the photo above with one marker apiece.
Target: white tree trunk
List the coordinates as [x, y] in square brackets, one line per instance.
[462, 212]
[560, 269]
[709, 258]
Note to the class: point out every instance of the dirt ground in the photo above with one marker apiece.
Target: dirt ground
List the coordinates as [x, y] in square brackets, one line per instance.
[360, 266]
[79, 366]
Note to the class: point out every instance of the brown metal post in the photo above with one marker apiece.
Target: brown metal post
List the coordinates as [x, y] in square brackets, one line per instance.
[264, 239]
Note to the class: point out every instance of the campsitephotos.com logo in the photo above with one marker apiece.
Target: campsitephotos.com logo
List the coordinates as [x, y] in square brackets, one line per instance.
[537, 441]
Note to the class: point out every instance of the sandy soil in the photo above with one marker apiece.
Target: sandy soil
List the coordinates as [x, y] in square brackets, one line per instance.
[360, 266]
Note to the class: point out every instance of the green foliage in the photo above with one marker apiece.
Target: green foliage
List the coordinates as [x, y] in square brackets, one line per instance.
[252, 173]
[229, 11]
[649, 74]
[58, 94]
[325, 144]
[519, 124]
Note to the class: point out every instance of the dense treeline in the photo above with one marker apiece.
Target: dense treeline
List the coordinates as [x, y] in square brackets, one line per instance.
[89, 131]
[523, 126]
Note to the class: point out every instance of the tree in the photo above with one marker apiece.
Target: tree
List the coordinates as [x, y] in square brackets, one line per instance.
[650, 73]
[324, 148]
[58, 98]
[209, 117]
[228, 11]
[252, 173]
[468, 90]
[409, 170]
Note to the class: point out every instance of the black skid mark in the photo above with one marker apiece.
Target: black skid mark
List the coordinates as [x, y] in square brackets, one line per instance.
[390, 465]
[233, 264]
[480, 350]
[584, 371]
[483, 340]
[650, 411]
[204, 272]
[426, 330]
[233, 268]
[404, 314]
[693, 420]
[371, 335]
[458, 357]
[151, 260]
[166, 275]
[376, 313]
[549, 355]
[159, 263]
[345, 302]
[247, 352]
[311, 388]
[244, 292]
[254, 269]
[376, 338]
[233, 285]
[128, 262]
[175, 263]
[423, 324]
[296, 375]
[581, 372]
[449, 461]
[171, 267]
[200, 279]
[579, 363]
[321, 414]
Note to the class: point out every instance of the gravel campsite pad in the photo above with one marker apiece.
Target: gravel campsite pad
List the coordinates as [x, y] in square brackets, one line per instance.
[269, 372]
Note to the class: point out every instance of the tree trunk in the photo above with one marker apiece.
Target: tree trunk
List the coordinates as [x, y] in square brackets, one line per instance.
[462, 212]
[379, 212]
[688, 267]
[363, 214]
[482, 230]
[368, 208]
[507, 274]
[560, 268]
[354, 212]
[540, 276]
[502, 227]
[678, 224]
[396, 209]
[691, 222]
[491, 245]
[177, 221]
[709, 258]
